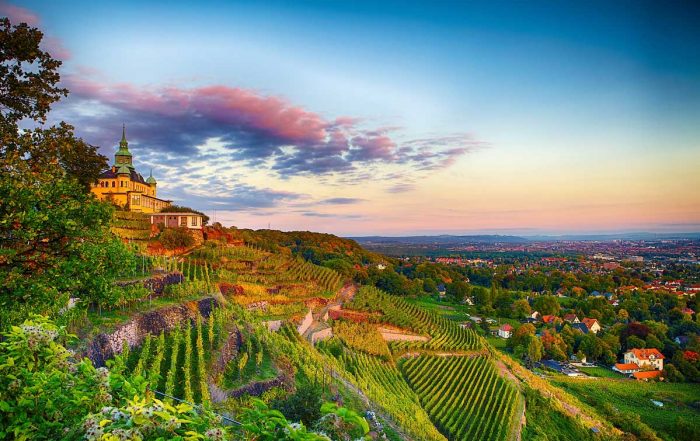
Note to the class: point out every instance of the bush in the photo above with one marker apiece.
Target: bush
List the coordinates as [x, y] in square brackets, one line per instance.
[173, 238]
[44, 393]
[304, 405]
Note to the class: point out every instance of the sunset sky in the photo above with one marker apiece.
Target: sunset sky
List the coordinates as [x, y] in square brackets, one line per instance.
[394, 118]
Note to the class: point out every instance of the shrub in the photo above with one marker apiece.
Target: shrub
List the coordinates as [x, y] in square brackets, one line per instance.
[44, 393]
[173, 238]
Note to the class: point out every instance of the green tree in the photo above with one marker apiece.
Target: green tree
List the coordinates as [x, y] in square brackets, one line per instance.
[28, 76]
[55, 239]
[458, 290]
[521, 308]
[547, 305]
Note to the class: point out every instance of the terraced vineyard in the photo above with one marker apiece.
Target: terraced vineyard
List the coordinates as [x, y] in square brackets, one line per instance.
[464, 396]
[176, 362]
[446, 334]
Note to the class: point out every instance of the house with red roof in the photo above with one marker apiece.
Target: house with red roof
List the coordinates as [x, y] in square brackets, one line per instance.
[571, 318]
[550, 319]
[626, 368]
[649, 358]
[592, 324]
[505, 331]
[646, 375]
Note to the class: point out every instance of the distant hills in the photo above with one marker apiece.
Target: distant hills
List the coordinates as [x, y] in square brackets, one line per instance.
[446, 239]
[438, 240]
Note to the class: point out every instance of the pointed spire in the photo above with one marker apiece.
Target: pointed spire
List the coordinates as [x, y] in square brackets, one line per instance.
[151, 180]
[123, 143]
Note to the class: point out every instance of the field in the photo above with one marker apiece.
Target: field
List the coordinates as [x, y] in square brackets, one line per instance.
[464, 396]
[679, 418]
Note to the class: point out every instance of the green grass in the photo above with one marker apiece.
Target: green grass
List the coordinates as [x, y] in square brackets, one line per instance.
[497, 342]
[633, 398]
[450, 310]
[601, 372]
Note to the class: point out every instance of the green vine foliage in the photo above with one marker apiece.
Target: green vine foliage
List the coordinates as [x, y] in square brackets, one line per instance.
[148, 418]
[44, 393]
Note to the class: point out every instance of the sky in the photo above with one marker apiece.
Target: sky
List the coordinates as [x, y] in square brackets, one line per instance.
[394, 118]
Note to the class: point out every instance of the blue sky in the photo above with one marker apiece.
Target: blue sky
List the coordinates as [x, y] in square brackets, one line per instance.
[517, 116]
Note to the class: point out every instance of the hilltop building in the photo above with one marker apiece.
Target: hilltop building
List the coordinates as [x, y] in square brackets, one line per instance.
[124, 186]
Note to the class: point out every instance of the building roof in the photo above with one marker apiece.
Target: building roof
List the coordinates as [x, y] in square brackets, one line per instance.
[589, 322]
[570, 317]
[645, 375]
[151, 179]
[176, 213]
[124, 170]
[626, 366]
[645, 354]
[506, 327]
[133, 175]
[549, 318]
[581, 327]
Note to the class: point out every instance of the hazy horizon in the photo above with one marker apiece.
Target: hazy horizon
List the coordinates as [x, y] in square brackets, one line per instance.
[395, 118]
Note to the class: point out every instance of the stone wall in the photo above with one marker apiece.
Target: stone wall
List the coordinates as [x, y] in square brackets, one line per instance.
[156, 284]
[105, 346]
[308, 320]
[322, 334]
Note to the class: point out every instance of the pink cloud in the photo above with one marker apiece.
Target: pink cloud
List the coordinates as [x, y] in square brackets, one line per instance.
[18, 15]
[263, 130]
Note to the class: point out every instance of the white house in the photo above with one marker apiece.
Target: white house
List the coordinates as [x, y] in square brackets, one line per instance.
[592, 325]
[505, 331]
[645, 358]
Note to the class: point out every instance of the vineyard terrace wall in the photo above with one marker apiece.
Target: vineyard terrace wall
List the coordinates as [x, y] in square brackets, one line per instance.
[104, 346]
[156, 284]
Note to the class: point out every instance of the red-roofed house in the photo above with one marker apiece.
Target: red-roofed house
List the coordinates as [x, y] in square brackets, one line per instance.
[646, 375]
[572, 318]
[626, 368]
[645, 358]
[550, 319]
[505, 331]
[592, 324]
[687, 310]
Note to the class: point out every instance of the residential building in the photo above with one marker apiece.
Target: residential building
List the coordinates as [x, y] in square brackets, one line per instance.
[626, 368]
[192, 221]
[571, 318]
[505, 331]
[645, 358]
[592, 324]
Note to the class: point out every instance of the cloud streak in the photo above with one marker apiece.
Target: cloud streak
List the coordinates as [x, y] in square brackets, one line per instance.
[259, 130]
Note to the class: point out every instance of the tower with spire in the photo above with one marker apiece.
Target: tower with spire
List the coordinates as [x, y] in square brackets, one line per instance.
[123, 155]
[125, 187]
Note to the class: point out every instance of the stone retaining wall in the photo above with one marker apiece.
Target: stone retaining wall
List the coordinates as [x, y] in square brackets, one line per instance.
[105, 346]
[156, 284]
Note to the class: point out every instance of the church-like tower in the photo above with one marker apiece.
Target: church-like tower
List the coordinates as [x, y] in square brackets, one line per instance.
[122, 185]
[123, 155]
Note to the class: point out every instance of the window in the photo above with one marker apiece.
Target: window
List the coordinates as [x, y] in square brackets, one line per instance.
[113, 184]
[194, 221]
[183, 221]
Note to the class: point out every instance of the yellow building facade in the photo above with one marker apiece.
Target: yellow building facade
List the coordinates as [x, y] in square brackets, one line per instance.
[124, 186]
